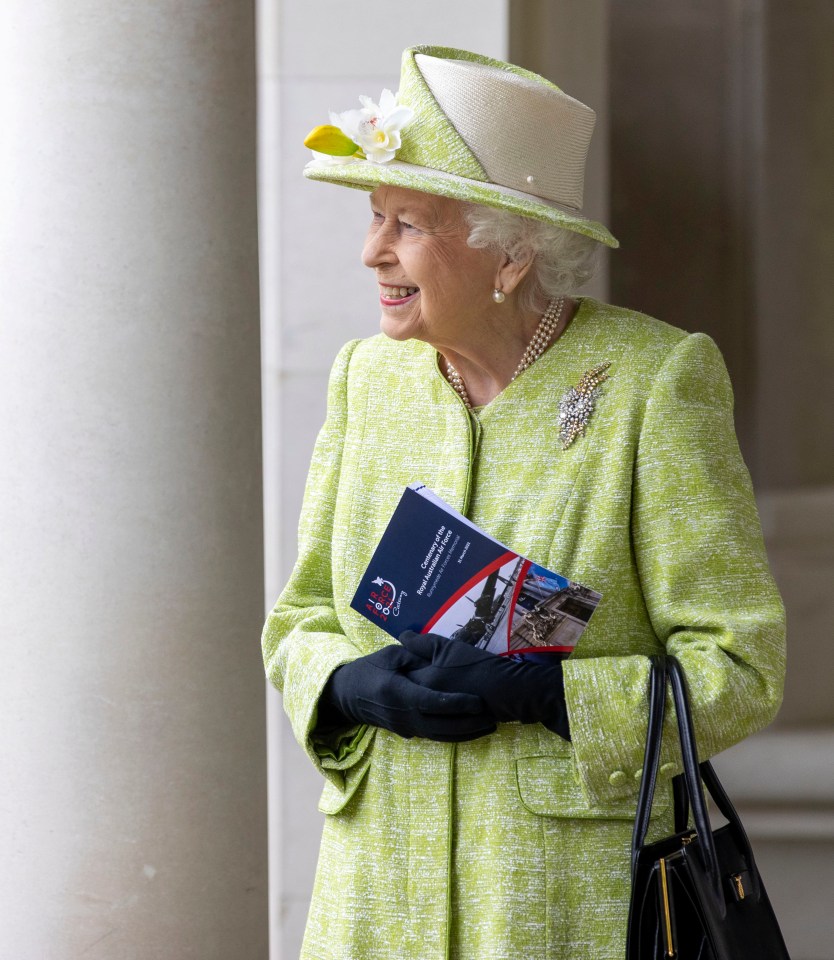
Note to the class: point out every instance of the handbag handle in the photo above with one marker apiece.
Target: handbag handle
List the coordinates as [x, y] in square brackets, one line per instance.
[651, 758]
[663, 667]
[691, 772]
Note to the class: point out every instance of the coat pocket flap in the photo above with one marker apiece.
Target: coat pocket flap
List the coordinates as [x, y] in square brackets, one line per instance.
[333, 797]
[550, 787]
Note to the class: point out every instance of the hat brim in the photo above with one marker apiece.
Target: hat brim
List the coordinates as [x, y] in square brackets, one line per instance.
[365, 175]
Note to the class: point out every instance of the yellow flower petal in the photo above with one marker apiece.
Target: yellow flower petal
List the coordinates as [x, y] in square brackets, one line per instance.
[330, 140]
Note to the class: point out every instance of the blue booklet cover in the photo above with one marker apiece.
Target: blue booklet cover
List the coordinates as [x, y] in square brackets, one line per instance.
[434, 571]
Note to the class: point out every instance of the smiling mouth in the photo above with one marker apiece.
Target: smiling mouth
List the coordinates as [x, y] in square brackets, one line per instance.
[394, 296]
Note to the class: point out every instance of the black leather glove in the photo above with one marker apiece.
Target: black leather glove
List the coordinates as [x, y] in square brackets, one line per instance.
[511, 689]
[377, 689]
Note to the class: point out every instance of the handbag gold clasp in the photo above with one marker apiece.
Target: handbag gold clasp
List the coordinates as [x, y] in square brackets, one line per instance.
[667, 912]
[736, 878]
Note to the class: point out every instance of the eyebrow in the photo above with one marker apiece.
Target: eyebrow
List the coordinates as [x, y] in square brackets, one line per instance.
[409, 213]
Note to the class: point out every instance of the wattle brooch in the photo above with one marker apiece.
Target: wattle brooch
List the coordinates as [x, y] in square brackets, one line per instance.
[577, 404]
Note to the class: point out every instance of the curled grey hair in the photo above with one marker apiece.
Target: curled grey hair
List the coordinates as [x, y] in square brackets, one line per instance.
[562, 259]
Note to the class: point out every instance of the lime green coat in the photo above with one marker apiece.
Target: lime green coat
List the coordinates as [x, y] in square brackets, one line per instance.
[517, 845]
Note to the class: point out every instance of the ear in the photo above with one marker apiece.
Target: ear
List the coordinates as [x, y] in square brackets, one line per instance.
[510, 273]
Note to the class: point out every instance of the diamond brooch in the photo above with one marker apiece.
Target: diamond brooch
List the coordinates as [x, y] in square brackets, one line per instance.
[577, 404]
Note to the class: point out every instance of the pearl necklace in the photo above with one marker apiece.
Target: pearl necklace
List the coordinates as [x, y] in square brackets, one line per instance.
[540, 341]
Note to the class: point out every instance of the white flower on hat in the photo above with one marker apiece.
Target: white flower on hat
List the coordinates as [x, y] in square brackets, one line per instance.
[376, 127]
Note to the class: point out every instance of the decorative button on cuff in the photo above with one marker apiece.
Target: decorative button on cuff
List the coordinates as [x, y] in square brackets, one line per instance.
[617, 777]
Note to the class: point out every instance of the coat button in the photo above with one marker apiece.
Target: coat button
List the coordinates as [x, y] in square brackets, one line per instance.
[669, 769]
[617, 777]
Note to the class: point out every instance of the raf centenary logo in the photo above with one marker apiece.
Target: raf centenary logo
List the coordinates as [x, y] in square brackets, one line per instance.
[386, 601]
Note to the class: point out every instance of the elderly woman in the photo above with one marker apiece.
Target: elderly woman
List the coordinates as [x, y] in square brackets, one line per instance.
[478, 808]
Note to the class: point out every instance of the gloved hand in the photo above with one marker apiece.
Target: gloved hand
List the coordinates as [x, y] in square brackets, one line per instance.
[376, 689]
[511, 689]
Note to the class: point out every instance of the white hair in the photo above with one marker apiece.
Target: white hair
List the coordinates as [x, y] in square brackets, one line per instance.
[562, 259]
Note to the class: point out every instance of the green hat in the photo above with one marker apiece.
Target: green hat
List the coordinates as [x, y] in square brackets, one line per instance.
[471, 128]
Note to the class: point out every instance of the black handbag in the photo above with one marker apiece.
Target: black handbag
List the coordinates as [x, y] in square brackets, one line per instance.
[696, 895]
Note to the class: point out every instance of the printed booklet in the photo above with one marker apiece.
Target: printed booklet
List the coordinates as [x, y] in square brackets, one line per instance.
[434, 571]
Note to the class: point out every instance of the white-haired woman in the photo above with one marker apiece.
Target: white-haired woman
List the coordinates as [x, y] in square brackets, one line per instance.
[478, 808]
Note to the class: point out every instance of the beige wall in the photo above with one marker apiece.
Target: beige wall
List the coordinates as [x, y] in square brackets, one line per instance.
[722, 152]
[684, 76]
[795, 269]
[721, 193]
[567, 42]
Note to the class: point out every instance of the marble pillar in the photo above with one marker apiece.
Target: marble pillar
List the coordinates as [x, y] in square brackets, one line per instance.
[132, 789]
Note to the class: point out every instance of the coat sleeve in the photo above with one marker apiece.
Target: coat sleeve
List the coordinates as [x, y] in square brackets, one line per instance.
[704, 574]
[303, 642]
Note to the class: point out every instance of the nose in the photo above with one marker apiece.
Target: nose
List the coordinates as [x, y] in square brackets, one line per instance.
[378, 247]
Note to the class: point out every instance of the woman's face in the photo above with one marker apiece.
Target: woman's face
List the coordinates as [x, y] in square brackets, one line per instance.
[432, 286]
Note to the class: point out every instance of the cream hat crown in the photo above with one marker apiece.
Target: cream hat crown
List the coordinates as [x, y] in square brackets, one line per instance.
[486, 132]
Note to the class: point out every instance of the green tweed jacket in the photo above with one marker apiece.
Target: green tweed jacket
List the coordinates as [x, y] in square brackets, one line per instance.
[517, 844]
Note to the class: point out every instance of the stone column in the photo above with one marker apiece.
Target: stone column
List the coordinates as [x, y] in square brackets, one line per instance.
[132, 788]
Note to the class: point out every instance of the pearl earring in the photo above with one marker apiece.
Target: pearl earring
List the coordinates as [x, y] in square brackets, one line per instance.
[498, 295]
